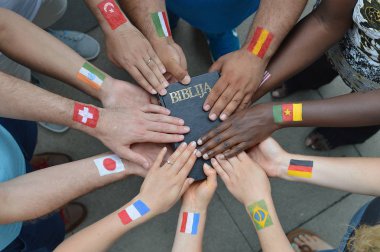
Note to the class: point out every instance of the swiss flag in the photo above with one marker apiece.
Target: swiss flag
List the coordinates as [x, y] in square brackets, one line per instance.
[85, 114]
[109, 164]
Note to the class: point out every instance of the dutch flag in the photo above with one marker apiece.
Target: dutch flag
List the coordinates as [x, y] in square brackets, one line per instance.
[190, 223]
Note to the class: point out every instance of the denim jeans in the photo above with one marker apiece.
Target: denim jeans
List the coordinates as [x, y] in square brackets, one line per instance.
[46, 233]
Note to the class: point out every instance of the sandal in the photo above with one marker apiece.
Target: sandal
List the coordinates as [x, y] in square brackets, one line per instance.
[295, 234]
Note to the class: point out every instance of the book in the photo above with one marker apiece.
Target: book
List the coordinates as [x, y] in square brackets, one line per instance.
[186, 102]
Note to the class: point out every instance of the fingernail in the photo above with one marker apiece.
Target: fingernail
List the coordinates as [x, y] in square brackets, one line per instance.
[163, 92]
[213, 160]
[186, 80]
[220, 156]
[191, 181]
[206, 107]
[195, 152]
[198, 154]
[193, 144]
[212, 117]
[205, 156]
[187, 128]
[163, 70]
[166, 84]
[223, 117]
[153, 91]
[146, 165]
[207, 166]
[181, 137]
[181, 121]
[183, 144]
[199, 142]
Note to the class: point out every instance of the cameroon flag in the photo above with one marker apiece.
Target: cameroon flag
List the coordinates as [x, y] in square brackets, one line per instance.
[287, 112]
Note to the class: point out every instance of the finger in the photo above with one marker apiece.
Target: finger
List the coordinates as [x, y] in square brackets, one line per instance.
[214, 132]
[185, 170]
[165, 119]
[153, 108]
[158, 137]
[151, 77]
[219, 144]
[158, 62]
[246, 102]
[214, 94]
[225, 164]
[184, 157]
[135, 73]
[159, 158]
[140, 172]
[186, 185]
[178, 72]
[234, 161]
[134, 157]
[211, 175]
[223, 175]
[167, 128]
[243, 156]
[158, 73]
[181, 148]
[232, 106]
[236, 150]
[223, 101]
[217, 65]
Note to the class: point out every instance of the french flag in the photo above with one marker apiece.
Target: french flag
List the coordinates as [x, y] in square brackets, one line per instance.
[190, 223]
[133, 212]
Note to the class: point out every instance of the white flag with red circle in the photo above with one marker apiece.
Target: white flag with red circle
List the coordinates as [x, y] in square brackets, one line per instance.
[109, 165]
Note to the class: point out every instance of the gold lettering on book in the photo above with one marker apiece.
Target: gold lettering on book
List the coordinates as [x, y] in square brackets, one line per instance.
[199, 90]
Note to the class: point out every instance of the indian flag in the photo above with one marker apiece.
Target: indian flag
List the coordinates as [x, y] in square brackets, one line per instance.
[91, 75]
[190, 223]
[287, 112]
[300, 168]
[133, 212]
[260, 42]
[161, 24]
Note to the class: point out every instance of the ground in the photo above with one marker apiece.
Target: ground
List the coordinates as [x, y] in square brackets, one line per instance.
[324, 211]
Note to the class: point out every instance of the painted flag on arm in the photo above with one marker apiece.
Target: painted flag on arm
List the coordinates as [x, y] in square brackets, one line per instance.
[112, 13]
[91, 75]
[161, 23]
[260, 215]
[109, 164]
[300, 168]
[86, 114]
[287, 113]
[133, 212]
[260, 42]
[190, 223]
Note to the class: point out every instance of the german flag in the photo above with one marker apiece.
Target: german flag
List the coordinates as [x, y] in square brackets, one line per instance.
[300, 168]
[260, 42]
[287, 112]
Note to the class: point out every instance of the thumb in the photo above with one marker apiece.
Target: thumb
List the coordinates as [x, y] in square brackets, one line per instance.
[217, 66]
[186, 185]
[178, 72]
[135, 157]
[210, 173]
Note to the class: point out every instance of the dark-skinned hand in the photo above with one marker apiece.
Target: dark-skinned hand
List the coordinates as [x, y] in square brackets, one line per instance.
[241, 131]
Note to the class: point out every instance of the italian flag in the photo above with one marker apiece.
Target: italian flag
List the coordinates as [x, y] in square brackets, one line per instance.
[161, 23]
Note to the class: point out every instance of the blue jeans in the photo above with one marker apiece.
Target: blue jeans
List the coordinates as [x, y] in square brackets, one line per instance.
[46, 233]
[351, 228]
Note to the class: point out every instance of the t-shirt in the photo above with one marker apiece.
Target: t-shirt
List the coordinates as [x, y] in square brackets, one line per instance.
[12, 164]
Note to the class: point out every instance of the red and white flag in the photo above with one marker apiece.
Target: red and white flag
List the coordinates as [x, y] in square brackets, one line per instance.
[109, 165]
[85, 114]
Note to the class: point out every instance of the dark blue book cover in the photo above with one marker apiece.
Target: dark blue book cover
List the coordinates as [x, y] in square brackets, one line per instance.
[186, 102]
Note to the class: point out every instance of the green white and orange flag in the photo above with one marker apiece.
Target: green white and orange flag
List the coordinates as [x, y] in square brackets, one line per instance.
[91, 75]
[287, 113]
[161, 23]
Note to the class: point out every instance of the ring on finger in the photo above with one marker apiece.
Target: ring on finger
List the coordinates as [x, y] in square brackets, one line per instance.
[148, 61]
[169, 162]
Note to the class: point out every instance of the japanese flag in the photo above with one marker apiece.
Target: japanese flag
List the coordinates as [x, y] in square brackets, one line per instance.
[109, 165]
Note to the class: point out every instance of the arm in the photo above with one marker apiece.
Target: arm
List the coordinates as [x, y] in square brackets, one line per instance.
[242, 71]
[355, 175]
[249, 184]
[161, 189]
[49, 189]
[145, 14]
[194, 210]
[312, 36]
[128, 48]
[251, 126]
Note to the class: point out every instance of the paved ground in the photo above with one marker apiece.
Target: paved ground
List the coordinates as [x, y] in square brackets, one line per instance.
[324, 211]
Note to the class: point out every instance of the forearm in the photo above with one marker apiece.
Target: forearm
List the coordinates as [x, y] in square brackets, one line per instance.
[356, 175]
[51, 188]
[189, 237]
[269, 230]
[44, 53]
[277, 17]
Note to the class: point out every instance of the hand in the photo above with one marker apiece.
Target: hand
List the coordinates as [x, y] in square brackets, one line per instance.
[241, 74]
[129, 49]
[243, 130]
[121, 127]
[270, 156]
[165, 184]
[173, 59]
[199, 194]
[244, 178]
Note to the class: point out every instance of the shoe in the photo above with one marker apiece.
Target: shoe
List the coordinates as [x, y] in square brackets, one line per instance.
[85, 45]
[73, 214]
[222, 43]
[48, 159]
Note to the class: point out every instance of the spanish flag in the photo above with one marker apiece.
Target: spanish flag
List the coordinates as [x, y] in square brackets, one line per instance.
[260, 42]
[300, 168]
[287, 113]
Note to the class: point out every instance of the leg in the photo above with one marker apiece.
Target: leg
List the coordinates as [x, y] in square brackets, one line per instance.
[316, 75]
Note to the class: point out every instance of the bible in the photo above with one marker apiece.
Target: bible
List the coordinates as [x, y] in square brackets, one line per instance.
[186, 102]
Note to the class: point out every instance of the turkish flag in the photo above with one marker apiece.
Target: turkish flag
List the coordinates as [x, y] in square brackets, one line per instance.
[112, 13]
[85, 114]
